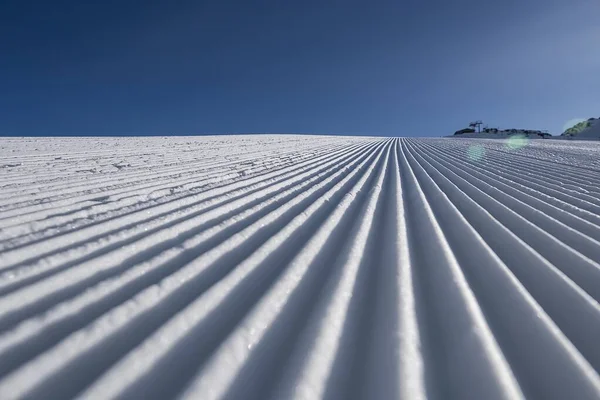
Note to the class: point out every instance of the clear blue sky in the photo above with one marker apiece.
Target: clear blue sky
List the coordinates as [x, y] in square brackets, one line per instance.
[376, 67]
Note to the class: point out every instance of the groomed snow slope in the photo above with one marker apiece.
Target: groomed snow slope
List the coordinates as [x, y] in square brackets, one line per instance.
[256, 267]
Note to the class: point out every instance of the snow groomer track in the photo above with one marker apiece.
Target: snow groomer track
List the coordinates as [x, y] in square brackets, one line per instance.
[280, 267]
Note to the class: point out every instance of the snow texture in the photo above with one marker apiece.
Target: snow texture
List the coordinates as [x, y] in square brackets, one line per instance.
[279, 267]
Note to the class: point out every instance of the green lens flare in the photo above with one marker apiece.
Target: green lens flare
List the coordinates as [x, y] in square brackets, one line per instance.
[476, 152]
[572, 122]
[516, 142]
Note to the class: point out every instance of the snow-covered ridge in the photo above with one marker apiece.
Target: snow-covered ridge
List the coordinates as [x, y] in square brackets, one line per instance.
[502, 135]
[587, 130]
[257, 267]
[494, 133]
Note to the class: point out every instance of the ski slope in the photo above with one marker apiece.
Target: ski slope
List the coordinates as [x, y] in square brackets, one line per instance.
[279, 267]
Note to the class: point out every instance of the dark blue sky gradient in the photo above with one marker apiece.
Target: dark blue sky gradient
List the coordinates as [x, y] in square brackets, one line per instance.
[377, 67]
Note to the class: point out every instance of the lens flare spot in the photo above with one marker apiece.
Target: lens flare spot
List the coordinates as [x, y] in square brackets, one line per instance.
[476, 152]
[516, 142]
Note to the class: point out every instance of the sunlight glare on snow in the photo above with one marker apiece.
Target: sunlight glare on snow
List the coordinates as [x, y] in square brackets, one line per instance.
[476, 152]
[516, 142]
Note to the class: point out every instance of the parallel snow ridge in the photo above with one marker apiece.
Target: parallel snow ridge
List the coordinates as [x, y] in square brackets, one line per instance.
[308, 267]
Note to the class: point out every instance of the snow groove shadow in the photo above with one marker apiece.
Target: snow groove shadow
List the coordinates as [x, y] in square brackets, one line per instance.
[133, 181]
[95, 191]
[475, 172]
[268, 359]
[573, 254]
[579, 219]
[239, 189]
[458, 362]
[149, 252]
[429, 327]
[553, 291]
[197, 190]
[543, 362]
[90, 364]
[49, 336]
[353, 373]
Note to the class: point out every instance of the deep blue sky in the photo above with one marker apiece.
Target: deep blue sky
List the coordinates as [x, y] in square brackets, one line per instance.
[376, 67]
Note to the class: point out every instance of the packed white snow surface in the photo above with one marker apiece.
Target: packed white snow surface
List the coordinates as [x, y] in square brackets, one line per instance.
[280, 267]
